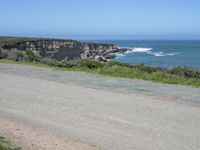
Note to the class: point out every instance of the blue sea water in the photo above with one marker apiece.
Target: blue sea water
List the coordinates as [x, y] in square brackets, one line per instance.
[160, 53]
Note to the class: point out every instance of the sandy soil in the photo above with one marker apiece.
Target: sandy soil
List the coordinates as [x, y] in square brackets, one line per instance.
[41, 108]
[32, 138]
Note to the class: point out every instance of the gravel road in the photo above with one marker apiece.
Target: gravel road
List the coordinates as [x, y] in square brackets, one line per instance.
[42, 108]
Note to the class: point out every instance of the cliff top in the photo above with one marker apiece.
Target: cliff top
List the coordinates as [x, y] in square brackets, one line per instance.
[12, 39]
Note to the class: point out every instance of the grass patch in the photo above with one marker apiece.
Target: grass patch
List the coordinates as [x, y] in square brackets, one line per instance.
[10, 39]
[177, 75]
[6, 145]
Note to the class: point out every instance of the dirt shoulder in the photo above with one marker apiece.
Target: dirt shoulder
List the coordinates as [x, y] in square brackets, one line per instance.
[28, 137]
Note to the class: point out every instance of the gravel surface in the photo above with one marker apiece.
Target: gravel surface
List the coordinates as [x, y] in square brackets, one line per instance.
[95, 112]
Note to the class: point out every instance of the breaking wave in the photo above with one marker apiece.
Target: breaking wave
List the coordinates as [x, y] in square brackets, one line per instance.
[162, 54]
[133, 50]
[118, 55]
[144, 50]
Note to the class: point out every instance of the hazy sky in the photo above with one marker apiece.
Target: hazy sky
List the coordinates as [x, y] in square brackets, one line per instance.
[101, 19]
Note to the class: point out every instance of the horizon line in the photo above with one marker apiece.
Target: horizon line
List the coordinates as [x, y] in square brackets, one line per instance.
[101, 39]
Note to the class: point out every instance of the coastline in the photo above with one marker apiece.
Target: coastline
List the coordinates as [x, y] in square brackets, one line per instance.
[91, 57]
[161, 53]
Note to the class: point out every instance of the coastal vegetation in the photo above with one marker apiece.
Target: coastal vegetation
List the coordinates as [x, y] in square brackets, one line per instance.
[8, 39]
[176, 75]
[6, 145]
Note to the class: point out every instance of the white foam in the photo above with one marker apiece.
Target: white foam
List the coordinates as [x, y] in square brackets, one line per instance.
[172, 54]
[144, 50]
[141, 50]
[158, 54]
[161, 54]
[119, 55]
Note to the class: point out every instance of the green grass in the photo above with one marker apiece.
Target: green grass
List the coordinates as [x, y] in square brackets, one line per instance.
[177, 75]
[13, 39]
[6, 145]
[9, 39]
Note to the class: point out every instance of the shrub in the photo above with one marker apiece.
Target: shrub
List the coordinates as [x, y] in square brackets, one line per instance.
[5, 145]
[146, 69]
[69, 64]
[19, 55]
[31, 55]
[185, 72]
[13, 54]
[90, 64]
[1, 53]
[48, 62]
[115, 63]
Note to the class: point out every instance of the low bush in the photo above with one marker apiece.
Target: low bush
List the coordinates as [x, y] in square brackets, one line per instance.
[90, 64]
[5, 145]
[116, 63]
[19, 55]
[13, 54]
[185, 72]
[3, 54]
[30, 55]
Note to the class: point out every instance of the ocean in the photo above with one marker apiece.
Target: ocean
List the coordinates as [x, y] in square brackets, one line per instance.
[159, 53]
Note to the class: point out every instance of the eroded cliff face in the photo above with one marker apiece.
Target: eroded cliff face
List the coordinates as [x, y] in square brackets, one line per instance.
[64, 49]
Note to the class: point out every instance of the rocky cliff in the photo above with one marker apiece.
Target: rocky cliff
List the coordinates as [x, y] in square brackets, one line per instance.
[65, 49]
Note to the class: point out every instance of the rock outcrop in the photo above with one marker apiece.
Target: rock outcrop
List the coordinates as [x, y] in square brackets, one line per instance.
[66, 49]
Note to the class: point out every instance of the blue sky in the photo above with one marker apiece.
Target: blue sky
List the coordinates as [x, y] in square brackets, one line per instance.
[101, 19]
